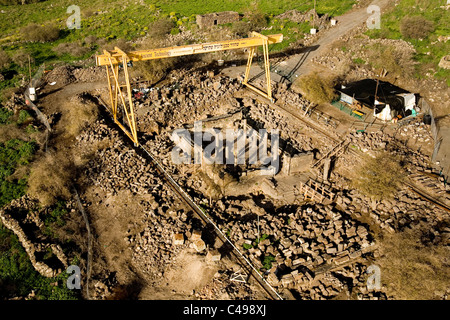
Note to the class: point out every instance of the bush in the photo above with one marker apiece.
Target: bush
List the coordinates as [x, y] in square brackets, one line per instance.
[5, 60]
[380, 177]
[241, 28]
[397, 61]
[5, 114]
[316, 88]
[21, 58]
[160, 28]
[120, 43]
[90, 40]
[153, 70]
[74, 49]
[416, 27]
[37, 33]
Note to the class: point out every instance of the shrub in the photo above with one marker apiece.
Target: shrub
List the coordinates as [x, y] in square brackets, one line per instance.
[153, 70]
[241, 28]
[416, 27]
[397, 61]
[21, 58]
[37, 33]
[74, 49]
[160, 28]
[90, 40]
[5, 60]
[315, 88]
[380, 177]
[120, 43]
[5, 114]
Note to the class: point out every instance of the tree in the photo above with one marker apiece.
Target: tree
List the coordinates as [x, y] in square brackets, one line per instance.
[416, 27]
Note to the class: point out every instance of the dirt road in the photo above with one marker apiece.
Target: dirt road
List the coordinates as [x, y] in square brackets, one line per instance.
[300, 63]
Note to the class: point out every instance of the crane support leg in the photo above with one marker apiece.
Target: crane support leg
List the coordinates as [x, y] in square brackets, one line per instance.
[116, 92]
[251, 52]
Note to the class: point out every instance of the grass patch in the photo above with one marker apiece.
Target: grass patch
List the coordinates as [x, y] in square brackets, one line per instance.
[18, 277]
[429, 49]
[13, 153]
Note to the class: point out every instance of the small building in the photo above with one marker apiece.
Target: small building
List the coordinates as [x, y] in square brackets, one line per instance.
[390, 102]
[212, 19]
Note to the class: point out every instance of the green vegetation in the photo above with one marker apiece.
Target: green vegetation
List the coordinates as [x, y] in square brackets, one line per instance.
[13, 153]
[421, 23]
[247, 246]
[18, 277]
[267, 261]
[380, 177]
[39, 30]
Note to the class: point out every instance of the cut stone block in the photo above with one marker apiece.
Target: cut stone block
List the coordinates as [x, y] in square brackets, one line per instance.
[178, 239]
[196, 235]
[213, 255]
[199, 245]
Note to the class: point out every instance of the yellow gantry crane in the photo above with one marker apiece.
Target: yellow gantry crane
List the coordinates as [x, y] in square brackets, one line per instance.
[115, 58]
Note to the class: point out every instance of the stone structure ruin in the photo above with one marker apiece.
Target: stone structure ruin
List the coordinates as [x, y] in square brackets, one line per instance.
[216, 18]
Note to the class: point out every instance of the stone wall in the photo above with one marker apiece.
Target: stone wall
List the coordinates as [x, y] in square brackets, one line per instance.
[212, 19]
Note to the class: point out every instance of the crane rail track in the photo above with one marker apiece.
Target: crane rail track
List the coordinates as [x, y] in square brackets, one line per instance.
[187, 200]
[242, 260]
[410, 185]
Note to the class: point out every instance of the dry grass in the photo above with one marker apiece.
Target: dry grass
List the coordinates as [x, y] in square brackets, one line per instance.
[21, 58]
[411, 269]
[416, 27]
[75, 49]
[5, 60]
[37, 33]
[315, 88]
[379, 177]
[153, 70]
[51, 177]
[76, 117]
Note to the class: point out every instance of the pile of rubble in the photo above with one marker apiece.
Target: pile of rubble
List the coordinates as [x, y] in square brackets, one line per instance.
[193, 97]
[301, 242]
[417, 131]
[91, 74]
[299, 17]
[62, 75]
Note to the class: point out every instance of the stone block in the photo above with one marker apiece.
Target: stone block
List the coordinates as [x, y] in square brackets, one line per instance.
[196, 235]
[178, 239]
[213, 255]
[199, 245]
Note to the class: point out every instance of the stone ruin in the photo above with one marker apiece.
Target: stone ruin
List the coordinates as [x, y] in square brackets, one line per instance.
[216, 18]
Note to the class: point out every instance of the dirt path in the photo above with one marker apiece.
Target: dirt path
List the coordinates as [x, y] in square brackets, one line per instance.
[300, 63]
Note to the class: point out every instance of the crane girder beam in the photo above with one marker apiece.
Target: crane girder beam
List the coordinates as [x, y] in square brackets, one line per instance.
[142, 55]
[120, 95]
